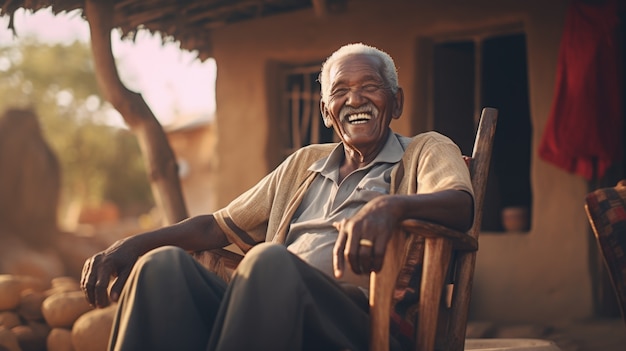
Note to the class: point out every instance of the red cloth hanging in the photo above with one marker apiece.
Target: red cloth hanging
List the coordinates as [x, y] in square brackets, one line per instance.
[584, 130]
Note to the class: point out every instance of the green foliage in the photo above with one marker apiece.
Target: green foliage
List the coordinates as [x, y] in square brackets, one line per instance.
[99, 162]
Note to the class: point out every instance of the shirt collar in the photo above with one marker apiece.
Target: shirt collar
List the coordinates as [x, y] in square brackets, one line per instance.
[391, 153]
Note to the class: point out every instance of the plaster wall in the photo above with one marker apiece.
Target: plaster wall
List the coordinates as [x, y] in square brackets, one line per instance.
[195, 152]
[544, 274]
[541, 275]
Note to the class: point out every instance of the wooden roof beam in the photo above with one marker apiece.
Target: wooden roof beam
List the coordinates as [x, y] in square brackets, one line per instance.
[320, 7]
[324, 7]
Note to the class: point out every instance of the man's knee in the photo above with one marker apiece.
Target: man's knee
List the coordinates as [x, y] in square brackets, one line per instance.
[265, 256]
[161, 259]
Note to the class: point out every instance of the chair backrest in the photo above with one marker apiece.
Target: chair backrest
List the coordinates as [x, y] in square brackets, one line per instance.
[463, 273]
[606, 211]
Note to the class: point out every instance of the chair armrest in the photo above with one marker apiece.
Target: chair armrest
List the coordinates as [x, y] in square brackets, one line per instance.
[460, 240]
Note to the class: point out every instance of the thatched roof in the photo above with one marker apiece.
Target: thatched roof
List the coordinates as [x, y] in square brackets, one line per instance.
[187, 21]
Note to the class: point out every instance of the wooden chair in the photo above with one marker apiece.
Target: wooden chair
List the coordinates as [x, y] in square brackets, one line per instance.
[439, 326]
[606, 211]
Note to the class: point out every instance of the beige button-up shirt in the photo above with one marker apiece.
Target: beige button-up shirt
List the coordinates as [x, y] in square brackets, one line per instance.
[272, 210]
[311, 235]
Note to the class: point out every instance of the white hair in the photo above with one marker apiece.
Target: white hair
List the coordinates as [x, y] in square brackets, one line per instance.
[389, 71]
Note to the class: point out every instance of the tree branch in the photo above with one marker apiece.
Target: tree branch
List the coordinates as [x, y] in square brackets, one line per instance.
[158, 155]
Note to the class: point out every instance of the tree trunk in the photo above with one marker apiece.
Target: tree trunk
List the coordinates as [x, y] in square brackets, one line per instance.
[158, 155]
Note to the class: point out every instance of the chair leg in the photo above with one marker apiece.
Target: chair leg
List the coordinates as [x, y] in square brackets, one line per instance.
[382, 287]
[461, 299]
[437, 254]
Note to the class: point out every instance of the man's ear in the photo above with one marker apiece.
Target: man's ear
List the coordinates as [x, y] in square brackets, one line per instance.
[328, 122]
[399, 104]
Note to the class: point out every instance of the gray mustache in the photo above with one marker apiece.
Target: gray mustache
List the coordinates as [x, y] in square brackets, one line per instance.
[349, 110]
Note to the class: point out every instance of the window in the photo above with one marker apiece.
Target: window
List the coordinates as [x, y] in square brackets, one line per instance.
[302, 122]
[488, 69]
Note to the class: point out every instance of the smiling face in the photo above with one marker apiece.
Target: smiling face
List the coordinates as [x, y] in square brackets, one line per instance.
[360, 104]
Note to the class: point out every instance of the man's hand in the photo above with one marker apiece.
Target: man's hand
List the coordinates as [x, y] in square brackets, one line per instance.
[363, 239]
[116, 261]
[193, 234]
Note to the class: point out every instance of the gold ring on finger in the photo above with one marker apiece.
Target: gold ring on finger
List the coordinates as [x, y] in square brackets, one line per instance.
[366, 243]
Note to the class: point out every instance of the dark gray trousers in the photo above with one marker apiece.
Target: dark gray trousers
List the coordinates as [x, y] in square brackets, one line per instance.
[274, 302]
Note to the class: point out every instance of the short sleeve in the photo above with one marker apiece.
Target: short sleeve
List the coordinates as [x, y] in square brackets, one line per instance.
[441, 166]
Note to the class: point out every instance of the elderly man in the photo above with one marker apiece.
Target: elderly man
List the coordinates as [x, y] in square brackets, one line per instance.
[312, 230]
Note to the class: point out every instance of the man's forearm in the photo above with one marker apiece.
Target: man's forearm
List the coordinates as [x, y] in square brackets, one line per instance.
[452, 208]
[192, 234]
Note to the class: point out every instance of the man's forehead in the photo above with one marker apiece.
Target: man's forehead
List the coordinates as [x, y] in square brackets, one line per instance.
[356, 63]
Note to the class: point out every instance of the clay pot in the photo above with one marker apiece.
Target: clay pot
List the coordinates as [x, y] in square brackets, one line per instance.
[515, 219]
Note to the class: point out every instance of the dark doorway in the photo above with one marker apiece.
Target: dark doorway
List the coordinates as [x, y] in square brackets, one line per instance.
[490, 70]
